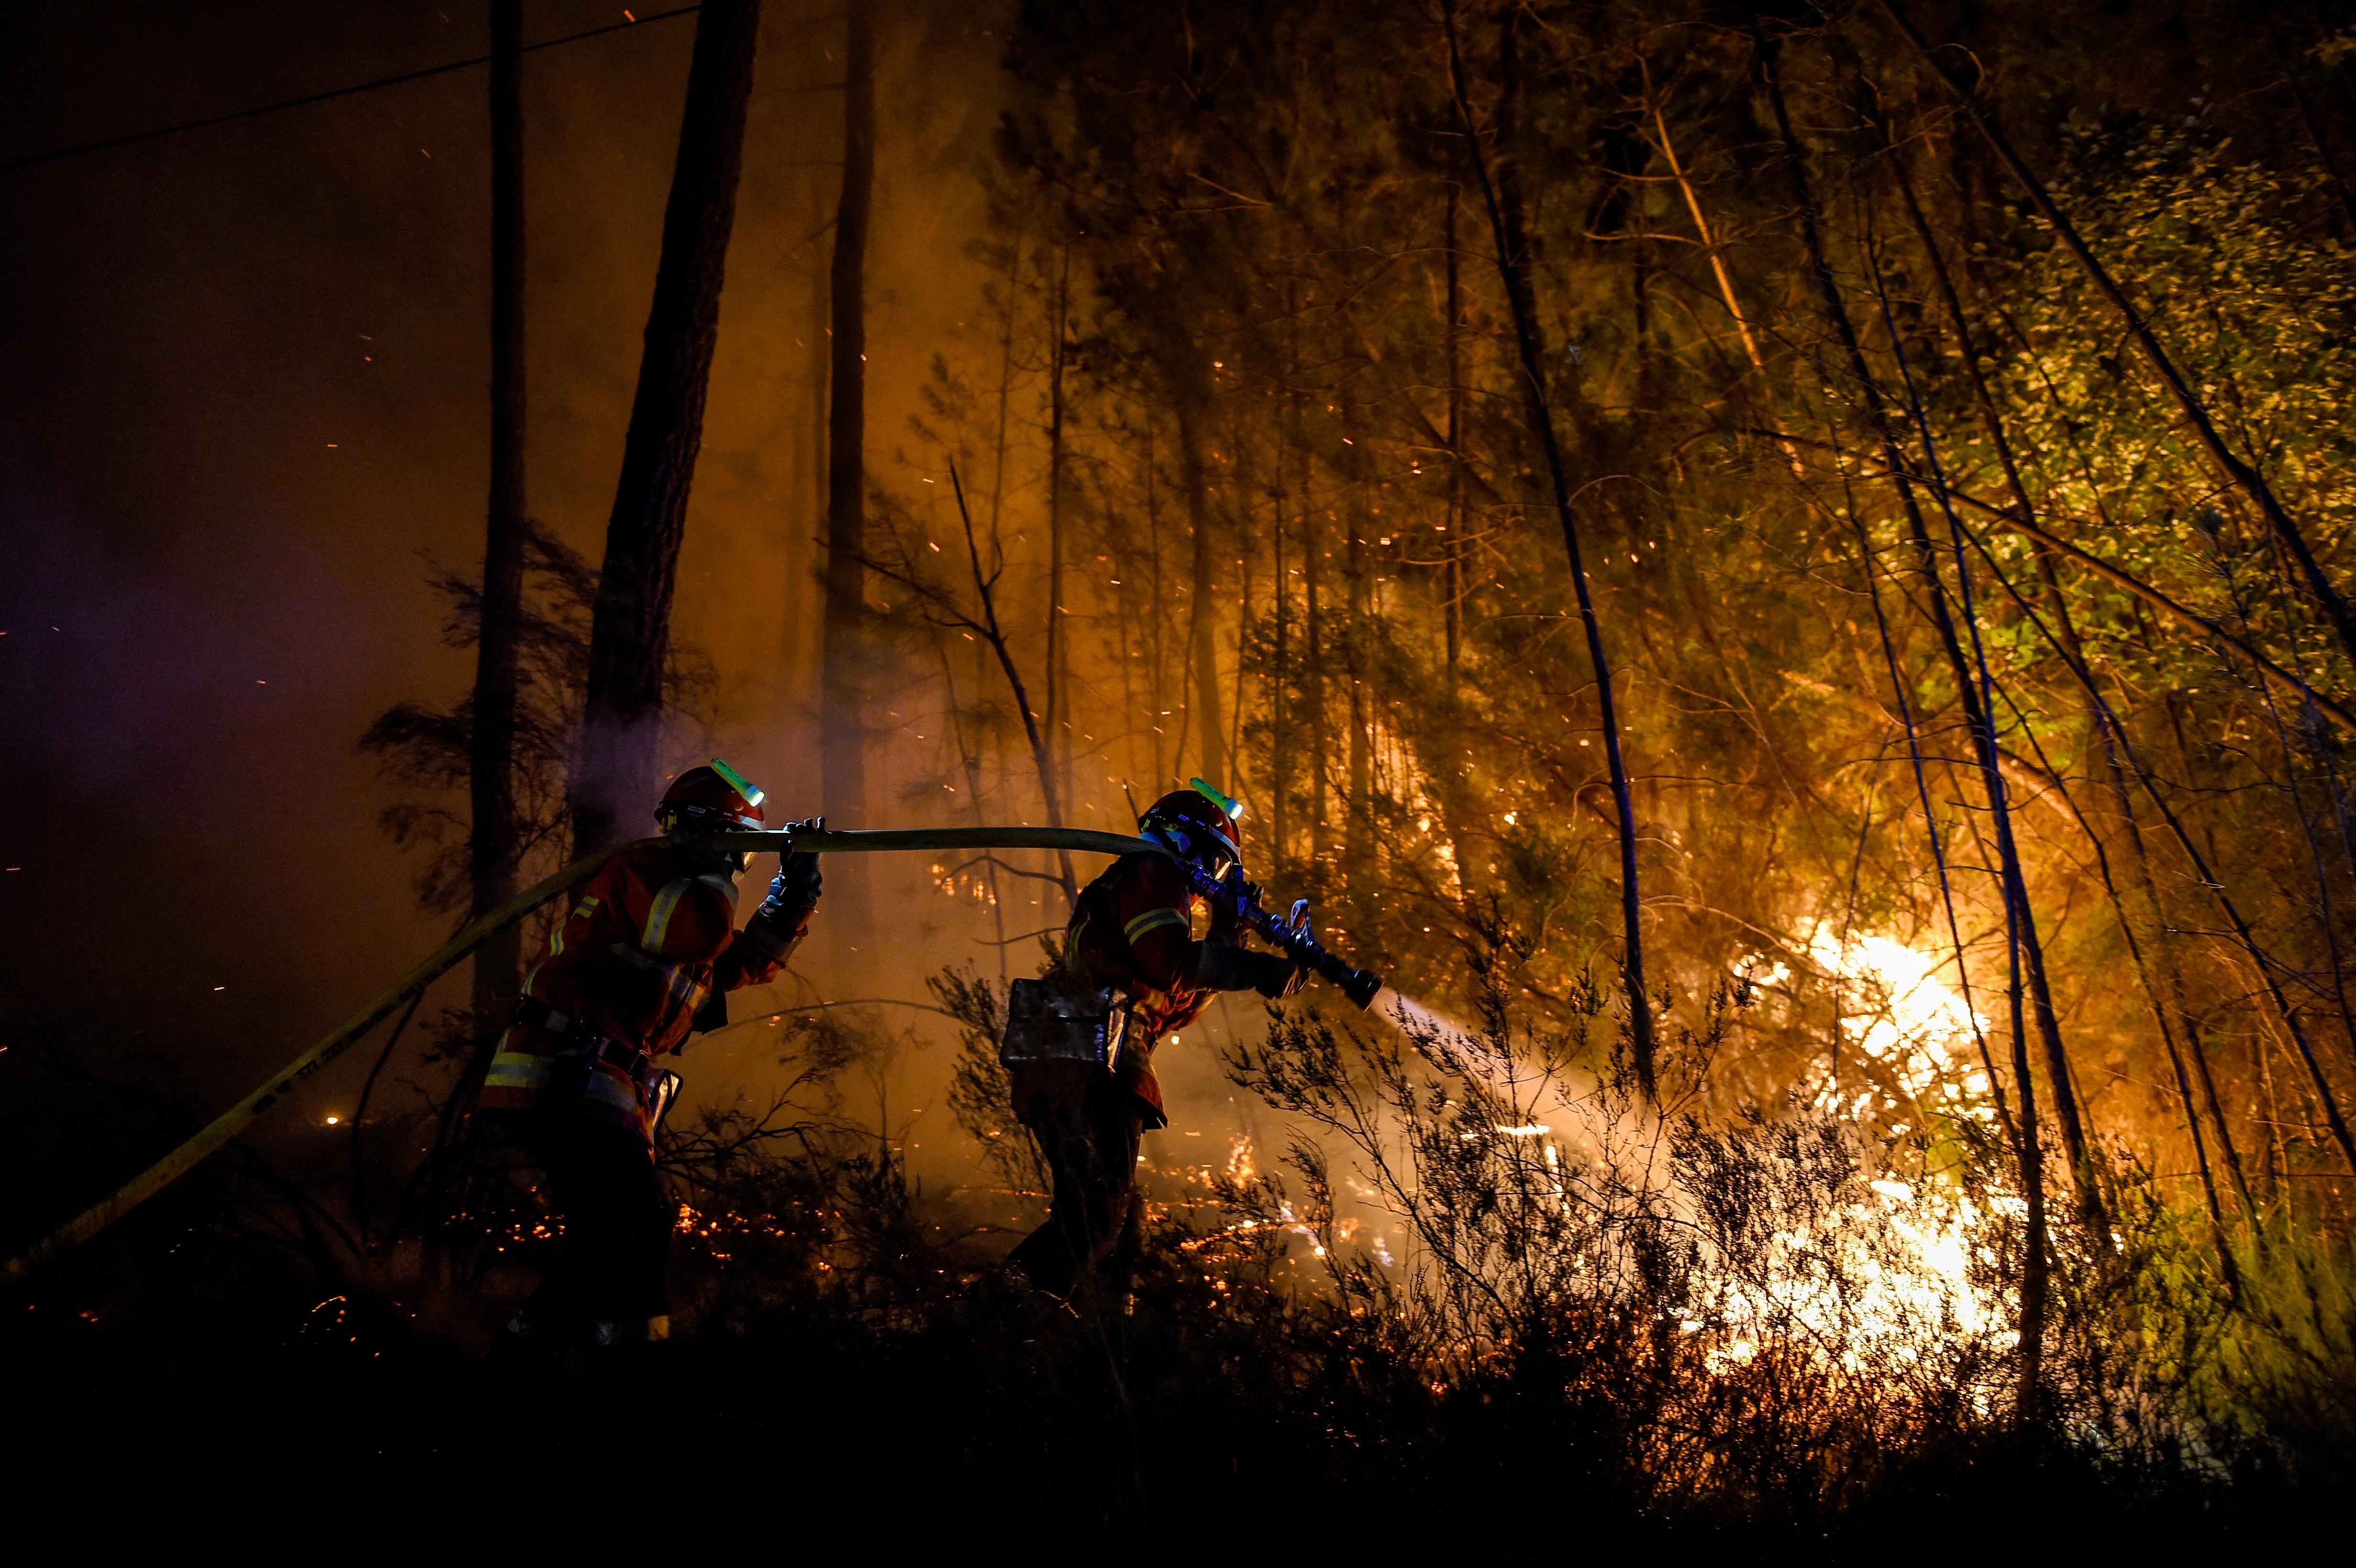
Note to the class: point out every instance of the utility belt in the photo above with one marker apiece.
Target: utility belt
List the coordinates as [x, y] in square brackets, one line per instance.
[657, 1087]
[1050, 1022]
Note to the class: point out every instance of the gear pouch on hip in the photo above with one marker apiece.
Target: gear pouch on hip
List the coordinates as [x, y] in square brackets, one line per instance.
[1046, 1022]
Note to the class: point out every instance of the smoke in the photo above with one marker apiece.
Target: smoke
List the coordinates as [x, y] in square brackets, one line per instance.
[250, 401]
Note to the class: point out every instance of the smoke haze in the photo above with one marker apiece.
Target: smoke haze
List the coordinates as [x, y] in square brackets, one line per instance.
[248, 411]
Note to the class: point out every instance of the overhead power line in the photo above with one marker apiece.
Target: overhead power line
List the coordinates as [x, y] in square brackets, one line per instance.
[62, 152]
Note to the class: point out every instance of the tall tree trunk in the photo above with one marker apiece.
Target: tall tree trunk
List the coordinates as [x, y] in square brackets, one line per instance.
[492, 847]
[1971, 672]
[1238, 762]
[2165, 990]
[629, 640]
[1281, 714]
[1203, 633]
[843, 678]
[1312, 662]
[1359, 851]
[1453, 590]
[1059, 679]
[1968, 670]
[1507, 232]
[1974, 687]
[804, 628]
[1157, 627]
[2035, 1276]
[2028, 1153]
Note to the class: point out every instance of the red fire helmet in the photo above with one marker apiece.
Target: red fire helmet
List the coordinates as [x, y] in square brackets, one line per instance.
[1191, 824]
[714, 796]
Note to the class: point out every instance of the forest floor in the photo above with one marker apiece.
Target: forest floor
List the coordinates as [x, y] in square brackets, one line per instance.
[1201, 1421]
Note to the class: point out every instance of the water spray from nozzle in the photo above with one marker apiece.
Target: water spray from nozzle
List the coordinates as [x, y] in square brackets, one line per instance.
[1413, 1019]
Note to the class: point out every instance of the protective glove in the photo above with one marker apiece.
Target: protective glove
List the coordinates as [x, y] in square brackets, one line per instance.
[1278, 977]
[1219, 967]
[796, 887]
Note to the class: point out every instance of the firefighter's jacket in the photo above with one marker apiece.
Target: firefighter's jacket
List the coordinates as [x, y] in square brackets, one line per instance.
[1133, 928]
[646, 945]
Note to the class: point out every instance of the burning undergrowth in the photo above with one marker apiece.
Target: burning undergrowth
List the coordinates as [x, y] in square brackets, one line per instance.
[1487, 1294]
[1486, 1268]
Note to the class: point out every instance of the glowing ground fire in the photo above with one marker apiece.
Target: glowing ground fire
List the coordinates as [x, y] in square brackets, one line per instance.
[1907, 1255]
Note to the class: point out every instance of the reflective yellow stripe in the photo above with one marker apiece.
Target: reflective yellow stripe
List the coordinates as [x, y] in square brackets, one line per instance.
[1153, 918]
[519, 1069]
[659, 914]
[581, 911]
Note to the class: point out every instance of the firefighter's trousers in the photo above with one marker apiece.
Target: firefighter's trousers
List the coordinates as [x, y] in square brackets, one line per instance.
[617, 1226]
[1088, 1128]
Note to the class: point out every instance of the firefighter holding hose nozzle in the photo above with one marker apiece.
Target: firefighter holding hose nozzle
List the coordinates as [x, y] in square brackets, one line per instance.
[1079, 1039]
[646, 957]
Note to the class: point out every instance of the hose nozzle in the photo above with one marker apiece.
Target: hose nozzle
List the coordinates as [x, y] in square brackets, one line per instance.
[1359, 985]
[1295, 935]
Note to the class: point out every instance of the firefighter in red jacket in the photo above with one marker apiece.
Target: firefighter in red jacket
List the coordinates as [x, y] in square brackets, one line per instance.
[646, 956]
[1131, 942]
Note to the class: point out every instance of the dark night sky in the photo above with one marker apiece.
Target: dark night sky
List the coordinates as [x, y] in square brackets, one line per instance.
[247, 388]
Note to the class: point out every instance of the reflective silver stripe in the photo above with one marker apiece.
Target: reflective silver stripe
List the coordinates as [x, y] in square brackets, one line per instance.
[603, 1087]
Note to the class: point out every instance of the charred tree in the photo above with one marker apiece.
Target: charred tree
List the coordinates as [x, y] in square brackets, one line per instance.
[1203, 622]
[629, 644]
[1281, 715]
[1315, 640]
[1059, 675]
[1453, 571]
[842, 680]
[1360, 870]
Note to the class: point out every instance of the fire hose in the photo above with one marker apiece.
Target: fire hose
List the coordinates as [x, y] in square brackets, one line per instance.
[1293, 937]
